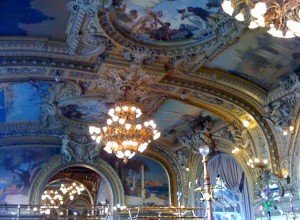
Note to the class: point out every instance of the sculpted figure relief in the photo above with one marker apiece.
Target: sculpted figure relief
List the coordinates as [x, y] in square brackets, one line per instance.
[80, 150]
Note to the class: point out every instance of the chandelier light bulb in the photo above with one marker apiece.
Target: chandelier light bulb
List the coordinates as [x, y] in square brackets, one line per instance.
[146, 123]
[291, 128]
[127, 126]
[98, 139]
[227, 7]
[127, 153]
[118, 109]
[265, 161]
[109, 121]
[125, 108]
[138, 126]
[120, 154]
[93, 137]
[104, 129]
[294, 26]
[259, 9]
[253, 25]
[156, 136]
[133, 108]
[240, 17]
[256, 160]
[121, 121]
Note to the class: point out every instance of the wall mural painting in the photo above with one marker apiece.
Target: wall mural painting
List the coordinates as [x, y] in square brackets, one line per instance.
[145, 181]
[85, 110]
[18, 168]
[34, 18]
[167, 20]
[174, 118]
[257, 61]
[22, 102]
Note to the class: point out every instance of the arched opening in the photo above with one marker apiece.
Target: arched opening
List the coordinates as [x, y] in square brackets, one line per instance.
[76, 190]
[99, 178]
[231, 190]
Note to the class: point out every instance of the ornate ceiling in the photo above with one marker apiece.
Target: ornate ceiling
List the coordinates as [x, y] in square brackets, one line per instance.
[62, 67]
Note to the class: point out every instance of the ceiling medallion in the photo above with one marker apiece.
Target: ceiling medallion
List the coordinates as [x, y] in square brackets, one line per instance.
[280, 17]
[126, 133]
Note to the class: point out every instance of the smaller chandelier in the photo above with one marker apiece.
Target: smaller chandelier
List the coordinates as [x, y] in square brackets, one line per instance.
[126, 132]
[280, 17]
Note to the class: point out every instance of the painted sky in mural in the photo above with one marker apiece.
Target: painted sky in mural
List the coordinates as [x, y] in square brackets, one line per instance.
[34, 18]
[21, 102]
[85, 110]
[174, 118]
[166, 20]
[18, 168]
[258, 57]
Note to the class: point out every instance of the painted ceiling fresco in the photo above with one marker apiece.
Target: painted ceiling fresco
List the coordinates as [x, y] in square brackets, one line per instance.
[22, 102]
[34, 18]
[85, 110]
[161, 21]
[260, 58]
[174, 118]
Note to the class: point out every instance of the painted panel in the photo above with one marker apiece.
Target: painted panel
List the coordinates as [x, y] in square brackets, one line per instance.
[161, 21]
[174, 118]
[18, 168]
[21, 102]
[38, 18]
[138, 172]
[85, 110]
[259, 57]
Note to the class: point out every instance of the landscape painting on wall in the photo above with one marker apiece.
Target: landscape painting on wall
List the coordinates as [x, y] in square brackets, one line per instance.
[18, 168]
[22, 102]
[145, 181]
[34, 18]
[167, 20]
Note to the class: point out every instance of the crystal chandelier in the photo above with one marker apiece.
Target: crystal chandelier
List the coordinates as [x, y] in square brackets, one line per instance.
[280, 17]
[126, 133]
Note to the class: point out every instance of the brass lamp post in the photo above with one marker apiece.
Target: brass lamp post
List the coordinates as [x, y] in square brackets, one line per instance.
[204, 151]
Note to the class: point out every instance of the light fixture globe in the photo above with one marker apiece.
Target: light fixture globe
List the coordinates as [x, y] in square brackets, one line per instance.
[204, 150]
[127, 132]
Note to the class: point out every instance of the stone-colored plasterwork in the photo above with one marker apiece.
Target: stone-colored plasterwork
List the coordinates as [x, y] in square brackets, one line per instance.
[284, 101]
[79, 148]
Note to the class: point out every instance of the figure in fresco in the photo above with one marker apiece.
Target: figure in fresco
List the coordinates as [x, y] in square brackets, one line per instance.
[121, 14]
[148, 23]
[194, 19]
